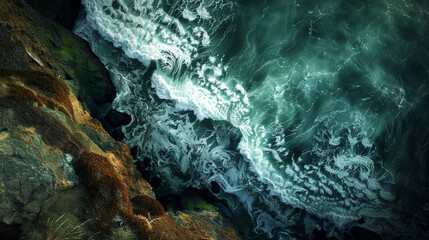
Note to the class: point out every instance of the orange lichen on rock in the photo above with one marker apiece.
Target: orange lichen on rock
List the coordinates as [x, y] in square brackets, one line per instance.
[107, 189]
[140, 223]
[48, 89]
[29, 95]
[109, 194]
[46, 125]
[145, 205]
[128, 172]
[111, 175]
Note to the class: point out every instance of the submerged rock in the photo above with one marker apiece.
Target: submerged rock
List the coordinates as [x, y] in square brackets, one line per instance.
[116, 119]
[113, 122]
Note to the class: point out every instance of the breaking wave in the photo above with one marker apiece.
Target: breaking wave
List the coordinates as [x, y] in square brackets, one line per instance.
[299, 110]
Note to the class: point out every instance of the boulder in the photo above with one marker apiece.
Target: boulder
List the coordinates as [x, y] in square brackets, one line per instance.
[29, 173]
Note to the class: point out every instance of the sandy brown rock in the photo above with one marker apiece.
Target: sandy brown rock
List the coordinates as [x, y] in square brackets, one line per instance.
[207, 224]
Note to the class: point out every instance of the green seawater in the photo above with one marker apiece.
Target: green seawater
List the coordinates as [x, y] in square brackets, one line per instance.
[309, 115]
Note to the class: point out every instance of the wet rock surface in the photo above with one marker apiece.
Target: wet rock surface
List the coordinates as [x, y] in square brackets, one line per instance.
[116, 119]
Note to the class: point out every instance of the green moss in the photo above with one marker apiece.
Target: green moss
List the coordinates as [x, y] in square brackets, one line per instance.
[79, 68]
[71, 50]
[196, 203]
[92, 67]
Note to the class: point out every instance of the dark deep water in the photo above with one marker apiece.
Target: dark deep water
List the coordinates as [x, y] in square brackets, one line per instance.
[311, 116]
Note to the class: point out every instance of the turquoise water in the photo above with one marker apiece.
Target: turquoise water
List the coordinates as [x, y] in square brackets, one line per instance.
[308, 114]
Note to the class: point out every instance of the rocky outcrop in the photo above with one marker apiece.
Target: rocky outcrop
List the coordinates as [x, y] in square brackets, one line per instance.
[30, 41]
[61, 172]
[206, 224]
[29, 174]
[46, 137]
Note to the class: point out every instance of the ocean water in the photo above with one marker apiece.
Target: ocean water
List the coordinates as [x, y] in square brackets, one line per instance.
[307, 114]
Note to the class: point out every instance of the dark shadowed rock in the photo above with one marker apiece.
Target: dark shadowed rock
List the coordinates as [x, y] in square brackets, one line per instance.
[359, 233]
[116, 119]
[63, 12]
[113, 121]
[117, 134]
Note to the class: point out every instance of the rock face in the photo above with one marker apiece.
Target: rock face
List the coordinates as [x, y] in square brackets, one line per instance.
[29, 172]
[206, 224]
[46, 135]
[54, 50]
[25, 181]
[61, 173]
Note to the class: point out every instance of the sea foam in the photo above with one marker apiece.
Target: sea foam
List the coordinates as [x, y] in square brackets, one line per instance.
[285, 142]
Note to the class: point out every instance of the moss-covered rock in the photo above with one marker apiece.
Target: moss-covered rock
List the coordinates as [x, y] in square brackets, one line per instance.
[30, 171]
[194, 202]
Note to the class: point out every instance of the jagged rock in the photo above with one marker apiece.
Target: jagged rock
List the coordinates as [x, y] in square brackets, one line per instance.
[113, 121]
[32, 166]
[45, 133]
[57, 51]
[117, 134]
[26, 182]
[29, 172]
[47, 137]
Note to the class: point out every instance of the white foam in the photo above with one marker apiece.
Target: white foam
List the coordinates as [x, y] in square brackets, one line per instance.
[330, 180]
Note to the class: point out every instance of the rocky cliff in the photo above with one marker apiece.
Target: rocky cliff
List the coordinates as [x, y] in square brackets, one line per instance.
[61, 172]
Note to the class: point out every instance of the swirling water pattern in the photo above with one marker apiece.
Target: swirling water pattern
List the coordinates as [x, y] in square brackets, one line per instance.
[295, 108]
